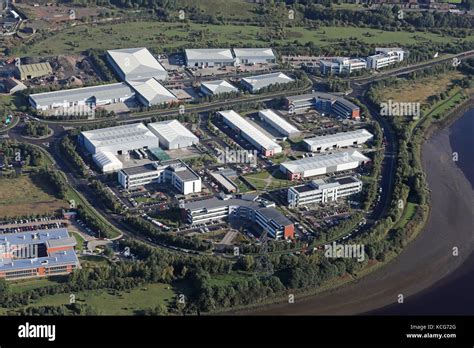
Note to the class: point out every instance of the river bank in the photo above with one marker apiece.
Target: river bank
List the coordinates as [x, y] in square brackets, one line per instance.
[426, 260]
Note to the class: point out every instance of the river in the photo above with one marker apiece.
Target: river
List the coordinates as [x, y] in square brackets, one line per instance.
[428, 275]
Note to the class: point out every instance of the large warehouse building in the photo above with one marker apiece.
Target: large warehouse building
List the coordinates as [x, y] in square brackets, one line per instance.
[173, 135]
[333, 141]
[40, 253]
[323, 191]
[150, 92]
[246, 208]
[119, 140]
[173, 172]
[279, 123]
[322, 164]
[209, 57]
[257, 82]
[107, 162]
[254, 55]
[217, 87]
[82, 97]
[263, 143]
[135, 64]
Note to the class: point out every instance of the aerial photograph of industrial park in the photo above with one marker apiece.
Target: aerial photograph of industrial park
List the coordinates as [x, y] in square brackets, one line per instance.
[218, 164]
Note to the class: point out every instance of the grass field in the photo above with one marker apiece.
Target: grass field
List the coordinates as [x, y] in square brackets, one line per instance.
[120, 303]
[225, 279]
[79, 240]
[420, 89]
[268, 180]
[407, 215]
[30, 284]
[23, 196]
[171, 36]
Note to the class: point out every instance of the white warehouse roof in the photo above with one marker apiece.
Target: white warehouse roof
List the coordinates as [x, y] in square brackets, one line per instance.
[100, 93]
[152, 91]
[107, 161]
[122, 137]
[260, 81]
[324, 161]
[270, 116]
[173, 131]
[209, 54]
[219, 86]
[341, 139]
[254, 53]
[252, 132]
[137, 63]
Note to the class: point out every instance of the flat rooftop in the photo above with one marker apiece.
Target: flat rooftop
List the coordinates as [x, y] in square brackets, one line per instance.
[119, 135]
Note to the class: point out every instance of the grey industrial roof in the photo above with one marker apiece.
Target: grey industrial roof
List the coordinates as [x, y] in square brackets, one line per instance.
[324, 161]
[338, 137]
[317, 95]
[186, 174]
[261, 81]
[152, 91]
[119, 135]
[252, 132]
[137, 63]
[217, 54]
[280, 121]
[146, 168]
[100, 92]
[104, 158]
[219, 86]
[254, 53]
[172, 130]
[346, 180]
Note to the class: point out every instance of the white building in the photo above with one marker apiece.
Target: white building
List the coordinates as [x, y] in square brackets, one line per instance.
[384, 57]
[86, 97]
[254, 55]
[107, 162]
[320, 191]
[120, 139]
[172, 134]
[217, 87]
[135, 64]
[322, 164]
[279, 123]
[263, 143]
[342, 65]
[150, 92]
[333, 141]
[173, 172]
[209, 57]
[246, 208]
[256, 83]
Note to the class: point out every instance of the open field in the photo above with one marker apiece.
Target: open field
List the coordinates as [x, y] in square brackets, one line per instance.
[119, 303]
[23, 196]
[421, 89]
[407, 215]
[30, 284]
[268, 180]
[162, 36]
